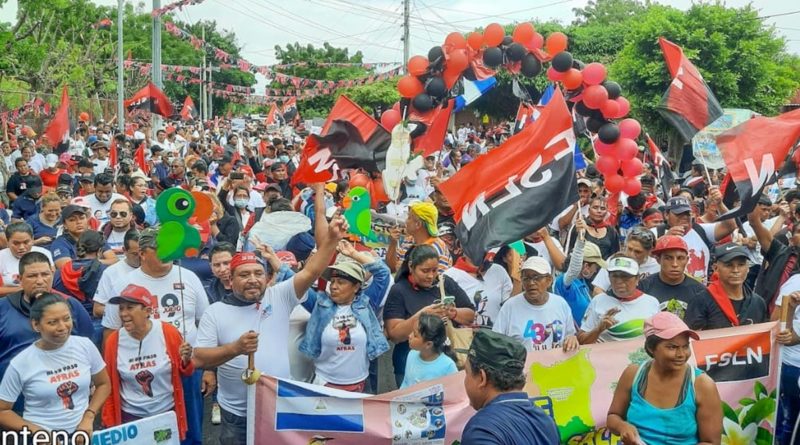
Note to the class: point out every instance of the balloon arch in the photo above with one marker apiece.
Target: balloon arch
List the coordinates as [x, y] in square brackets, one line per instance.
[432, 82]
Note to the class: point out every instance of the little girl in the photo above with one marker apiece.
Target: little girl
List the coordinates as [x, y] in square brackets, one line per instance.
[431, 356]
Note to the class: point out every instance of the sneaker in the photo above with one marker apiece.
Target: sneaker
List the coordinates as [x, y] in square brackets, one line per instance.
[216, 417]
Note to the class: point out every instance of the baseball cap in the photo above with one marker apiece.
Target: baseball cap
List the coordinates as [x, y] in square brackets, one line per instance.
[764, 200]
[730, 251]
[670, 242]
[286, 257]
[591, 254]
[678, 205]
[497, 351]
[428, 214]
[64, 190]
[51, 160]
[66, 158]
[88, 177]
[446, 228]
[71, 210]
[91, 140]
[586, 182]
[350, 269]
[331, 187]
[134, 294]
[537, 264]
[623, 264]
[33, 183]
[148, 238]
[666, 325]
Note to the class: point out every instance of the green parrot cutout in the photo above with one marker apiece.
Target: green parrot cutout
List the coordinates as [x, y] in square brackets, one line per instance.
[357, 212]
[176, 236]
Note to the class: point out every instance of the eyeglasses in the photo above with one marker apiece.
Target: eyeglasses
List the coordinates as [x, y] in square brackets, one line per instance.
[534, 277]
[118, 214]
[177, 166]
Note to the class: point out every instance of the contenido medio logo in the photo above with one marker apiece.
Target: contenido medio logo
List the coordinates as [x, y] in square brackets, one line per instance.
[734, 358]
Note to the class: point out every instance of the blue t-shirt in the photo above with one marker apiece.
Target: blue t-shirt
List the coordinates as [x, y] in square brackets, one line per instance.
[65, 247]
[510, 419]
[577, 295]
[418, 370]
[41, 229]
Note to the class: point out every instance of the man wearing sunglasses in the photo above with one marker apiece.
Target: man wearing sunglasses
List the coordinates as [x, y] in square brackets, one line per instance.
[121, 221]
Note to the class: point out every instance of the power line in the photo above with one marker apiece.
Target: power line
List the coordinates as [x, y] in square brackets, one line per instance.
[779, 14]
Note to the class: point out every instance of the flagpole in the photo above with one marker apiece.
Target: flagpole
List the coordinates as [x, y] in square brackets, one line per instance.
[157, 60]
[120, 71]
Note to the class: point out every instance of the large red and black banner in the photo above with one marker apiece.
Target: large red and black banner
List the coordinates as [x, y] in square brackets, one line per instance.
[151, 99]
[753, 152]
[688, 104]
[517, 188]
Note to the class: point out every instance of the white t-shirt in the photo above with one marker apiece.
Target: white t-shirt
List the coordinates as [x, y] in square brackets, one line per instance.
[224, 323]
[145, 373]
[541, 248]
[343, 359]
[100, 209]
[167, 291]
[9, 265]
[630, 318]
[487, 294]
[790, 354]
[55, 383]
[755, 255]
[699, 255]
[37, 163]
[536, 327]
[113, 273]
[100, 165]
[649, 267]
[116, 241]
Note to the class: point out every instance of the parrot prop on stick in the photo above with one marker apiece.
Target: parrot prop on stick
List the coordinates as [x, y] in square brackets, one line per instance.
[177, 237]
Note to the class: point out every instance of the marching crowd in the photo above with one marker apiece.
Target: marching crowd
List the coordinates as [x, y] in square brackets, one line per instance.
[96, 330]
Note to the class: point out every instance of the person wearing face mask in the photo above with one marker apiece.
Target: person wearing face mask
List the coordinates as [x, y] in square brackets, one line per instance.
[244, 217]
[415, 292]
[585, 262]
[129, 263]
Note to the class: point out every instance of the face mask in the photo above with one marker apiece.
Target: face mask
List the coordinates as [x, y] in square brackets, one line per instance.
[240, 203]
[284, 159]
[329, 202]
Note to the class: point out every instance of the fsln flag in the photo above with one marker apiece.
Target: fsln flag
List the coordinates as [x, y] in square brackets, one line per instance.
[274, 117]
[188, 112]
[529, 113]
[517, 188]
[350, 138]
[152, 99]
[58, 128]
[289, 109]
[662, 167]
[753, 151]
[433, 139]
[688, 104]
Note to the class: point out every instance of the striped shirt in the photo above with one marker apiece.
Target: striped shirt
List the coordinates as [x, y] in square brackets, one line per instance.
[445, 260]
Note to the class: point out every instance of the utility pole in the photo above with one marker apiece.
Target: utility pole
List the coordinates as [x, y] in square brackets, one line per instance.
[157, 60]
[210, 89]
[120, 70]
[203, 97]
[406, 29]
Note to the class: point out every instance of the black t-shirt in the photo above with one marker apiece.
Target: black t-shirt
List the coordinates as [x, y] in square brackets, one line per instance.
[608, 244]
[689, 300]
[18, 184]
[405, 300]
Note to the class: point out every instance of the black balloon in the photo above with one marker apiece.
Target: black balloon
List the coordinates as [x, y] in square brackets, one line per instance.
[436, 55]
[516, 52]
[436, 87]
[531, 67]
[507, 40]
[608, 133]
[469, 74]
[594, 124]
[578, 65]
[583, 110]
[422, 102]
[613, 88]
[492, 57]
[562, 62]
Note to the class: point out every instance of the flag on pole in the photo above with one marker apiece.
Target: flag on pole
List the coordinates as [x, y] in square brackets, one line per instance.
[473, 89]
[273, 117]
[58, 129]
[661, 164]
[688, 104]
[112, 153]
[152, 99]
[289, 110]
[188, 112]
[433, 139]
[139, 158]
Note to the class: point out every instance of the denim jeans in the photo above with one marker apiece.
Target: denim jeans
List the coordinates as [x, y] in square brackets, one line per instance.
[233, 430]
[788, 406]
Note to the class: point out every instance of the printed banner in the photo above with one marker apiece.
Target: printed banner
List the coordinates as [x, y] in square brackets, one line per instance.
[575, 389]
[157, 430]
[704, 143]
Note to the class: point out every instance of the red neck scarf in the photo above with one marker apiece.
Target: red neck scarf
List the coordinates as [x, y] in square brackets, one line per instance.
[636, 294]
[462, 264]
[597, 225]
[721, 297]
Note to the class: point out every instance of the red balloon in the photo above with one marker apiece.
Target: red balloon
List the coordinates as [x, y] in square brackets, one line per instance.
[456, 40]
[537, 42]
[475, 40]
[457, 61]
[523, 33]
[632, 186]
[614, 183]
[572, 79]
[629, 128]
[594, 73]
[493, 35]
[632, 168]
[595, 96]
[409, 86]
[607, 165]
[389, 119]
[624, 107]
[396, 107]
[626, 148]
[610, 109]
[556, 42]
[604, 149]
[554, 75]
[417, 65]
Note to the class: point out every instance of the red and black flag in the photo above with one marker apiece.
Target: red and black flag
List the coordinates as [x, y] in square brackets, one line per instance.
[735, 357]
[58, 128]
[433, 139]
[350, 138]
[517, 188]
[151, 99]
[274, 116]
[524, 116]
[189, 112]
[289, 110]
[753, 152]
[688, 104]
[661, 165]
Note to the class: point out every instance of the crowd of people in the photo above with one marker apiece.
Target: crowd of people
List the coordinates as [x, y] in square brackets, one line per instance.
[96, 330]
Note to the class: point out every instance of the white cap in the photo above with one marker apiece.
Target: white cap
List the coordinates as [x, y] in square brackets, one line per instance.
[51, 160]
[623, 264]
[537, 264]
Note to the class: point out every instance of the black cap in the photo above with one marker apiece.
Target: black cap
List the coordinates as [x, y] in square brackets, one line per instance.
[156, 148]
[89, 177]
[764, 200]
[65, 179]
[71, 210]
[497, 351]
[33, 183]
[678, 205]
[730, 251]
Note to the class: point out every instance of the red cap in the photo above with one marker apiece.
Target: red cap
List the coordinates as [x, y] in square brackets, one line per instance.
[286, 257]
[135, 294]
[666, 325]
[670, 242]
[246, 169]
[243, 258]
